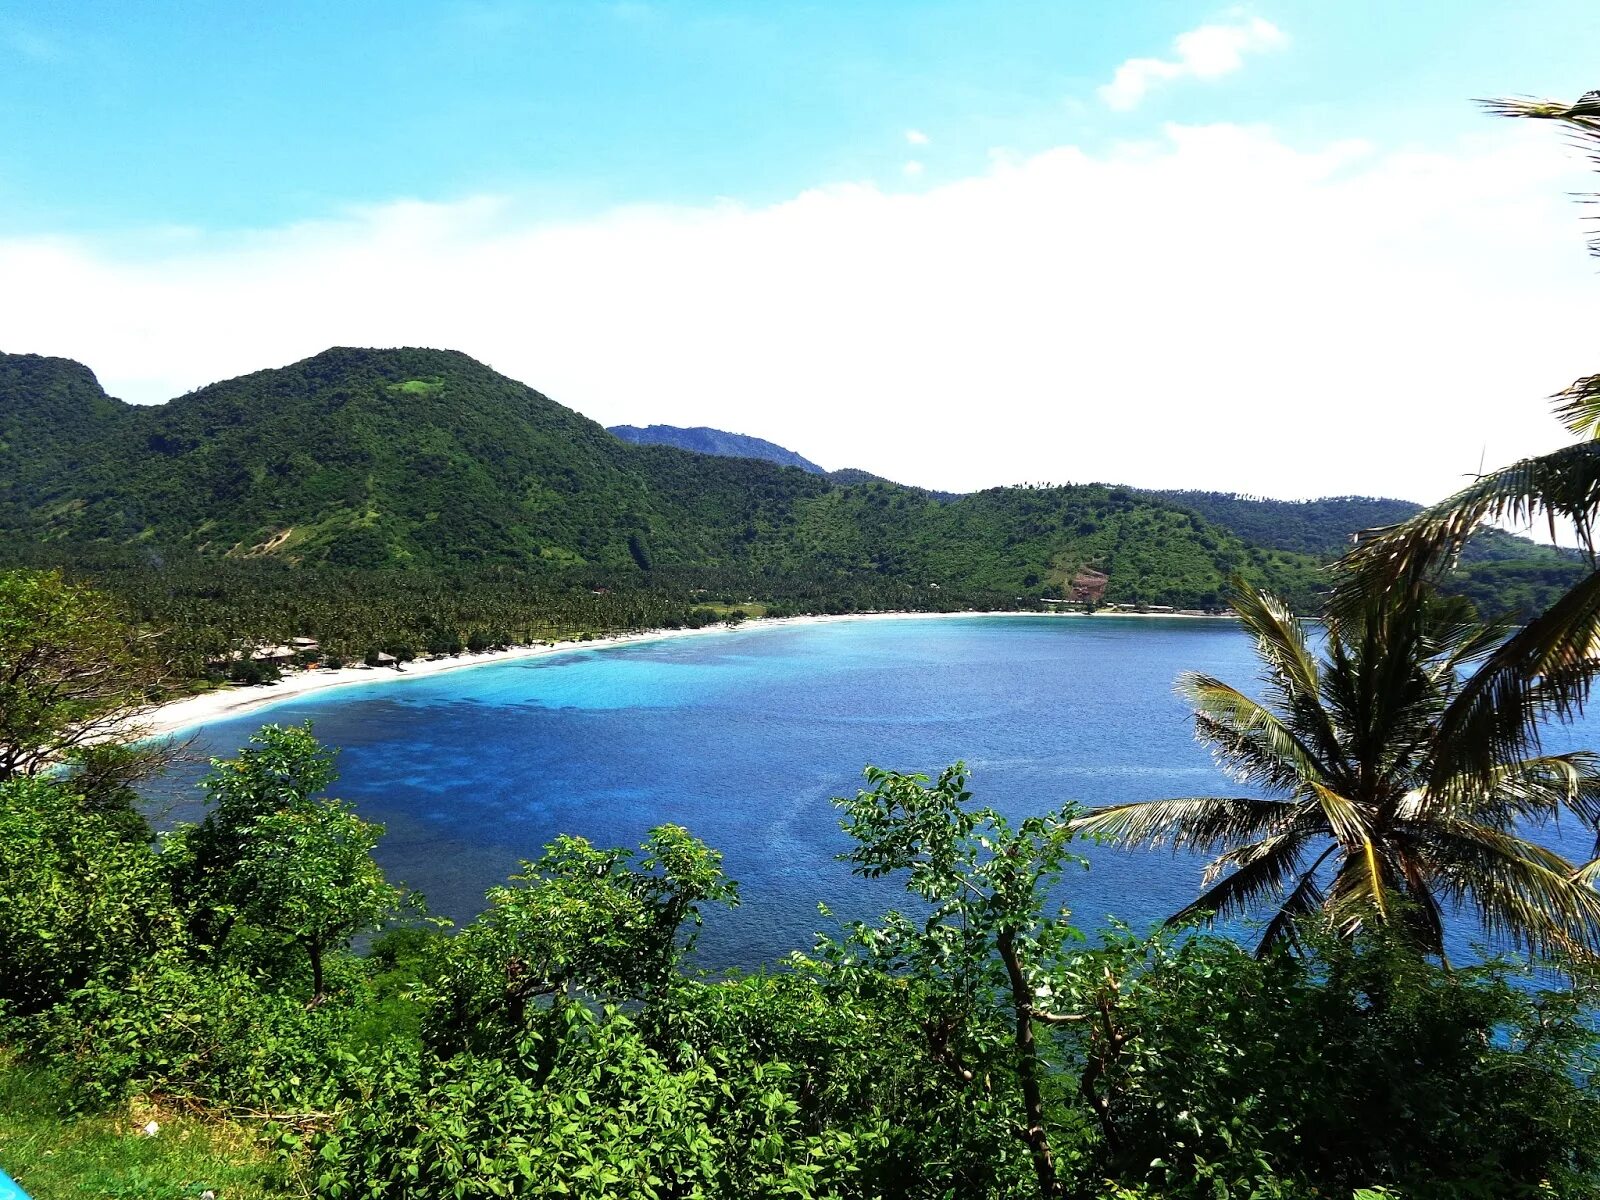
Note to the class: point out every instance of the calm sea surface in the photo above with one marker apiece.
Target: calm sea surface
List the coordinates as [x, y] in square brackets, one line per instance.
[744, 736]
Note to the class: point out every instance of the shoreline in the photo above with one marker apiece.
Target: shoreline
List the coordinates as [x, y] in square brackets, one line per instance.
[192, 712]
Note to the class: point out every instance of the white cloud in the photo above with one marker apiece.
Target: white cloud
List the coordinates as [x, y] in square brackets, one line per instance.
[1214, 308]
[912, 169]
[1208, 52]
[916, 137]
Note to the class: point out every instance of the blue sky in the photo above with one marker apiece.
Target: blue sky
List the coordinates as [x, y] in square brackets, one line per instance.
[174, 158]
[238, 116]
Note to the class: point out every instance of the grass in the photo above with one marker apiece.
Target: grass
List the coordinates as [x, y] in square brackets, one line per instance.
[417, 387]
[750, 608]
[56, 1155]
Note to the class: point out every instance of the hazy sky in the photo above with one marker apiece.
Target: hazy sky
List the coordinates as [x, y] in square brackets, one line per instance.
[1273, 249]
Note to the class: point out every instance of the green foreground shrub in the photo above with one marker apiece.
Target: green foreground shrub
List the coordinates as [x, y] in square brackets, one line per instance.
[562, 1043]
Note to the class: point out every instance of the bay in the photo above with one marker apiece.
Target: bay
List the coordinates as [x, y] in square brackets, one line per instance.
[744, 736]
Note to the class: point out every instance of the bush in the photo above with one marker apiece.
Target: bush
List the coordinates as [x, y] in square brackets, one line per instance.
[559, 1044]
[79, 901]
[209, 1031]
[444, 642]
[1355, 1065]
[250, 672]
[587, 1107]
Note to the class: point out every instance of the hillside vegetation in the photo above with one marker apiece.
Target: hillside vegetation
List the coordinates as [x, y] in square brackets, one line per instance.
[428, 470]
[1499, 571]
[425, 458]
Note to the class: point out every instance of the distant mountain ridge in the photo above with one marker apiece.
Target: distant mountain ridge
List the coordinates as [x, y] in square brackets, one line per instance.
[703, 440]
[1327, 526]
[1322, 527]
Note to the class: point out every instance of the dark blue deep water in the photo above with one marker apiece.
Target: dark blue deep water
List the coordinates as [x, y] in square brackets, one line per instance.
[744, 736]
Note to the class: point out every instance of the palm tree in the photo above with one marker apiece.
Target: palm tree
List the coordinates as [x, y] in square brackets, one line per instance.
[1546, 668]
[1354, 819]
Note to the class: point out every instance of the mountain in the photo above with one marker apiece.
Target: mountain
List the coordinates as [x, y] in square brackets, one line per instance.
[1328, 526]
[719, 442]
[850, 476]
[1499, 571]
[426, 461]
[366, 457]
[1321, 527]
[52, 410]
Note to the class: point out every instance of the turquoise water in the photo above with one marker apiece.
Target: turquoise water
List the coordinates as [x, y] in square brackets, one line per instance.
[744, 736]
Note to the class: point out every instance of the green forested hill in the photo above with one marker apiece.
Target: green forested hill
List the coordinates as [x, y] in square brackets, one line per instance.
[1319, 527]
[55, 423]
[429, 460]
[353, 457]
[1326, 527]
[426, 460]
[1499, 571]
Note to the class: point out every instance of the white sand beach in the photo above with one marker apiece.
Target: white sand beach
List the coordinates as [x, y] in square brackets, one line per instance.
[230, 701]
[193, 711]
